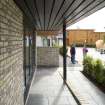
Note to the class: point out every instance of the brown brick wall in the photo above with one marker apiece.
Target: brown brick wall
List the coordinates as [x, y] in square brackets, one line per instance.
[11, 54]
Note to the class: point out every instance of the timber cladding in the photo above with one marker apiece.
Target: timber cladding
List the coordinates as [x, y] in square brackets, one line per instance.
[79, 36]
[11, 54]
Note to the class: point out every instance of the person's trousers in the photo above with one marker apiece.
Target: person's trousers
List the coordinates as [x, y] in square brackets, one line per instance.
[73, 58]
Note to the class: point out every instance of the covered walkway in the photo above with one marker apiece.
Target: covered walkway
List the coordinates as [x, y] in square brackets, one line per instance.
[20, 22]
[48, 89]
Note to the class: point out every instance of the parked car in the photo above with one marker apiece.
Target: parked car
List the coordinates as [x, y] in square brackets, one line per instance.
[102, 51]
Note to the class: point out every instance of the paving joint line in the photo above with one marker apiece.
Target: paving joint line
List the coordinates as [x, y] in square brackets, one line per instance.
[75, 97]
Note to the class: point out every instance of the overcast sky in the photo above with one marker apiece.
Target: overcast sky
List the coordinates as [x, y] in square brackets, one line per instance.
[95, 21]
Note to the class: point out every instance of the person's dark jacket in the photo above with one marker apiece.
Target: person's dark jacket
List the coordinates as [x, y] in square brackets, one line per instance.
[72, 51]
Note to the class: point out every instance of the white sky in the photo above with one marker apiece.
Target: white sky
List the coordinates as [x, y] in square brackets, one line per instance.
[95, 21]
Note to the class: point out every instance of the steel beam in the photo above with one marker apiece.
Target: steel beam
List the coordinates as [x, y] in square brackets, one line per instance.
[64, 51]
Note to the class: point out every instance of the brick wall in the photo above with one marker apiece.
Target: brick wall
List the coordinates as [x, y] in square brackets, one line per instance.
[47, 56]
[11, 54]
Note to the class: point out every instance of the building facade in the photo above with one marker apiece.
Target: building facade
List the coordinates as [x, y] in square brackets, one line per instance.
[49, 41]
[17, 53]
[11, 54]
[18, 26]
[81, 36]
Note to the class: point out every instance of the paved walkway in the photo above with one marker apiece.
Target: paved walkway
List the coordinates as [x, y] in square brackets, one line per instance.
[48, 89]
[69, 63]
[86, 91]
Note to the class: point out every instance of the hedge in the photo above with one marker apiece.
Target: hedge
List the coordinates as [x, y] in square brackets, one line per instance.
[61, 51]
[95, 69]
[87, 45]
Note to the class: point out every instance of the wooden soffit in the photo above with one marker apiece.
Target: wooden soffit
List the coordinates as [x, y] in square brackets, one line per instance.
[49, 14]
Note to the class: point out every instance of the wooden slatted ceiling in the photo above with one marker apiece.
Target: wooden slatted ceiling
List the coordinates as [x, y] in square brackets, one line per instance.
[24, 8]
[63, 10]
[49, 14]
[83, 11]
[31, 6]
[49, 6]
[40, 7]
[86, 12]
[70, 10]
[57, 6]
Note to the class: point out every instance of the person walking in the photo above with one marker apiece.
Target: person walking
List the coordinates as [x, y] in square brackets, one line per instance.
[85, 50]
[73, 52]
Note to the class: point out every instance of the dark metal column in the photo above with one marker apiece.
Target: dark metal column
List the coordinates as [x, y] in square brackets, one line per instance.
[24, 57]
[33, 50]
[64, 50]
[29, 49]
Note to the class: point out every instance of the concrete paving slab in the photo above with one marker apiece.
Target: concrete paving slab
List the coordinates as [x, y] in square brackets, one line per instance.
[85, 90]
[48, 89]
